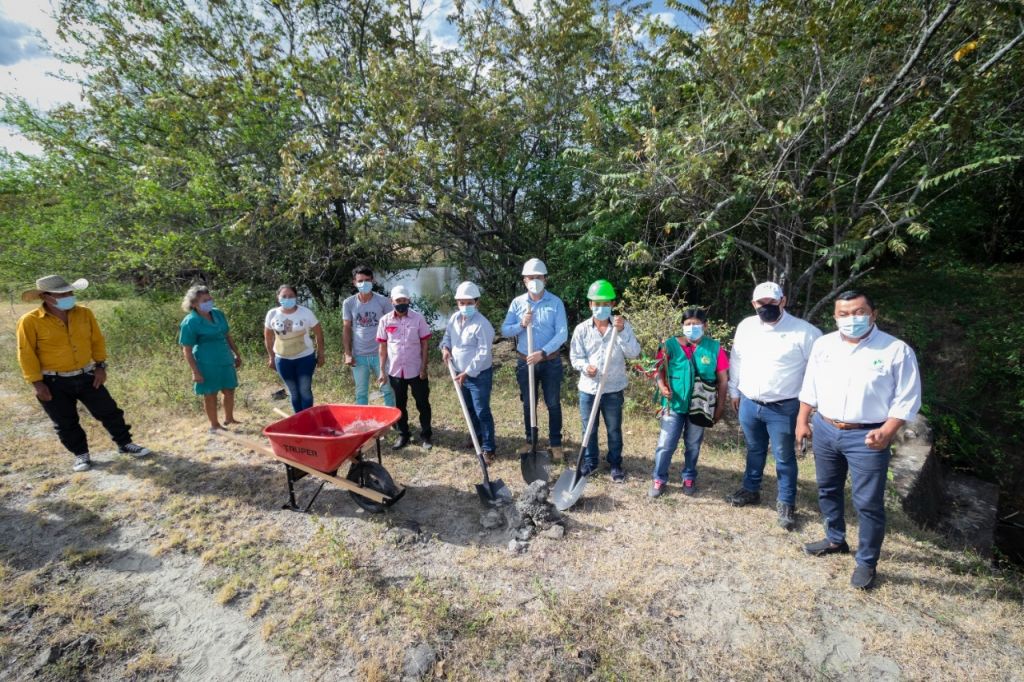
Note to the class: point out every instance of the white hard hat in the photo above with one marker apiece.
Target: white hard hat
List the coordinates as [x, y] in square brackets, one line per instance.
[767, 290]
[535, 266]
[467, 290]
[399, 292]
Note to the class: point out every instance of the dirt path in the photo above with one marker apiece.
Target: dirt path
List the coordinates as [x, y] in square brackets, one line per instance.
[183, 566]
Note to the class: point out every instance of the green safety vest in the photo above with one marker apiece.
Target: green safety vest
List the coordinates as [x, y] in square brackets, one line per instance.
[679, 370]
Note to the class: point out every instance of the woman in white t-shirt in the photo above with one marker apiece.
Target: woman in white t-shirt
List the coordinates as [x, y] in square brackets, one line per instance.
[288, 337]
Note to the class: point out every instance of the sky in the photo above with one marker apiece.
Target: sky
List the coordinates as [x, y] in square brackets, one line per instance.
[28, 70]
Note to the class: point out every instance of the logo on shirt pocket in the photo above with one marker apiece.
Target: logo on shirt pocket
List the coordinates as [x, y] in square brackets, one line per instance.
[391, 329]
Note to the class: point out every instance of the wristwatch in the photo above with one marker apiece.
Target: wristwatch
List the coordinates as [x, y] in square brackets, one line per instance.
[100, 365]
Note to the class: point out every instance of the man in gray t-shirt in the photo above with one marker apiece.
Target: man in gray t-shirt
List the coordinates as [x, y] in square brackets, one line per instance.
[360, 314]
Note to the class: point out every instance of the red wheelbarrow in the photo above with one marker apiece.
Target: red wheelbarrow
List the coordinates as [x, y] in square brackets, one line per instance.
[318, 440]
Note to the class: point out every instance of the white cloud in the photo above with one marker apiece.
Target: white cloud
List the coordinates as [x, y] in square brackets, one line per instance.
[30, 70]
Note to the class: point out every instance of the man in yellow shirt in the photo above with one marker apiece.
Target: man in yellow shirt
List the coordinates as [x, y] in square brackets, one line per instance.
[63, 355]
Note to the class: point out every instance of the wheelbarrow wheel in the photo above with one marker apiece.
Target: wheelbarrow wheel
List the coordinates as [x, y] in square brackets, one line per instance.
[372, 475]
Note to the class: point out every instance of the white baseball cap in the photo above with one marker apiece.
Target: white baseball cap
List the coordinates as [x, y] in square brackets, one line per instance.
[399, 292]
[767, 290]
[467, 290]
[535, 266]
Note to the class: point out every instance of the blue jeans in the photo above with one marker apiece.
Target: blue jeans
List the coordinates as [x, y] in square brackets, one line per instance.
[775, 423]
[367, 368]
[477, 392]
[835, 453]
[674, 425]
[610, 410]
[548, 376]
[297, 375]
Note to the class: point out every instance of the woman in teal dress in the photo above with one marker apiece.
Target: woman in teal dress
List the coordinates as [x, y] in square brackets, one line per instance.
[211, 353]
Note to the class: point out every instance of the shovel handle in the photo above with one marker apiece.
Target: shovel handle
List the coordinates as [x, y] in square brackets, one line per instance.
[533, 384]
[469, 422]
[597, 402]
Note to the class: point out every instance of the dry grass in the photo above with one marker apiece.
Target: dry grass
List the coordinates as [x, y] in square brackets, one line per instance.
[678, 587]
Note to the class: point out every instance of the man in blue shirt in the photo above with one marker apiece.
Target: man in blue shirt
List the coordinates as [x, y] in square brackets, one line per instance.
[546, 313]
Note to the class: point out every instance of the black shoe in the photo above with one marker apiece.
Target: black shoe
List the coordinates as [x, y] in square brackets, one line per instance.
[826, 546]
[787, 515]
[400, 442]
[743, 497]
[618, 475]
[426, 444]
[587, 469]
[689, 487]
[863, 577]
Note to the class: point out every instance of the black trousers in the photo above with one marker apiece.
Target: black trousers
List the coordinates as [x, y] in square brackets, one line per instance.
[62, 409]
[421, 394]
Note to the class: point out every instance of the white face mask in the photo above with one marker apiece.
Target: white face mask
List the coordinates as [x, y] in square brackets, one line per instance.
[535, 286]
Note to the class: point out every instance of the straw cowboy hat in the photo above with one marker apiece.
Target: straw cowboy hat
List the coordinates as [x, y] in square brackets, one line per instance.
[53, 284]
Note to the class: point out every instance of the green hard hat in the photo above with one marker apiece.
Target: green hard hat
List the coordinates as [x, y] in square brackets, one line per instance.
[601, 290]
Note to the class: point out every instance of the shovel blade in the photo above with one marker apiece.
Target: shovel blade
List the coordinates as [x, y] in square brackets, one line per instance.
[536, 466]
[494, 494]
[565, 494]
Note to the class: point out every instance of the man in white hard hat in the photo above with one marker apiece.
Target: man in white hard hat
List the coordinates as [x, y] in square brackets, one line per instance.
[402, 337]
[545, 312]
[63, 355]
[769, 356]
[467, 344]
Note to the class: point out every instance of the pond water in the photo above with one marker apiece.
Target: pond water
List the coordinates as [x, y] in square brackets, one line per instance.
[434, 282]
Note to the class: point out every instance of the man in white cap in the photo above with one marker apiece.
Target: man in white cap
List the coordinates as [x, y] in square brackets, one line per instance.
[360, 314]
[468, 342]
[769, 355]
[63, 355]
[546, 313]
[402, 338]
[862, 385]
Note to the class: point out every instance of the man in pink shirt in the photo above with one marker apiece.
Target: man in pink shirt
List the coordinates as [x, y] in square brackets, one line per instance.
[403, 336]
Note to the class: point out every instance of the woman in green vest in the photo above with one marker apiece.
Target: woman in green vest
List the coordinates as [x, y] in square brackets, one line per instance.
[683, 357]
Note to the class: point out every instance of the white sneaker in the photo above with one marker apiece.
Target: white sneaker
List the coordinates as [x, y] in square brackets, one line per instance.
[135, 450]
[82, 463]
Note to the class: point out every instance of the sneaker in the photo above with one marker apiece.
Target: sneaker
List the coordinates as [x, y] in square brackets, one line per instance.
[400, 442]
[863, 577]
[426, 444]
[587, 469]
[618, 475]
[488, 456]
[657, 488]
[689, 487]
[826, 546]
[743, 497]
[134, 450]
[787, 514]
[82, 463]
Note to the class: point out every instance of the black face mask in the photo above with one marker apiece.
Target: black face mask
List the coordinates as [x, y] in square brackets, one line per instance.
[769, 313]
[402, 308]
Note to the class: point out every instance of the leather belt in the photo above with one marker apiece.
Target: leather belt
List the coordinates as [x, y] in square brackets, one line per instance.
[774, 402]
[547, 358]
[73, 373]
[847, 426]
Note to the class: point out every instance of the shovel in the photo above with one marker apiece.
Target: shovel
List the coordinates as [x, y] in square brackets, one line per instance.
[490, 492]
[570, 484]
[534, 463]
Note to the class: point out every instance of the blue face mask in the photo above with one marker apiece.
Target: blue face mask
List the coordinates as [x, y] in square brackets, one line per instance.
[854, 326]
[602, 312]
[205, 306]
[287, 302]
[468, 310]
[693, 331]
[364, 287]
[66, 303]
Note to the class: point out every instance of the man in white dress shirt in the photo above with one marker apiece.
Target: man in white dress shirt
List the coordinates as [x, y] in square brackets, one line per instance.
[862, 385]
[769, 355]
[468, 342]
